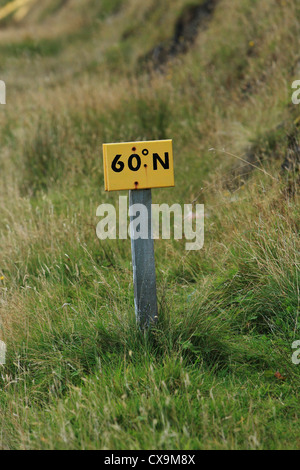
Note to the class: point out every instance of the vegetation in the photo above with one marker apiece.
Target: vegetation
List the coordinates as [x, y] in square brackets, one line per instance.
[216, 372]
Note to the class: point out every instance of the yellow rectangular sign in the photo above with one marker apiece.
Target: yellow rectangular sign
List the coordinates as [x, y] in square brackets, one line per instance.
[138, 165]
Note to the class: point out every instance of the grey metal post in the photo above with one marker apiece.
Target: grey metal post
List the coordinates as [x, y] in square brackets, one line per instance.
[143, 264]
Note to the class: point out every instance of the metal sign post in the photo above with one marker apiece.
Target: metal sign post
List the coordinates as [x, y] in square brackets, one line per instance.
[140, 166]
[143, 263]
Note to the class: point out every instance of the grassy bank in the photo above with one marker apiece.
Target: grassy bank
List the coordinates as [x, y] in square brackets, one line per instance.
[216, 372]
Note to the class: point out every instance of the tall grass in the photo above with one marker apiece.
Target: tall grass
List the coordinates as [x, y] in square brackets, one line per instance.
[216, 371]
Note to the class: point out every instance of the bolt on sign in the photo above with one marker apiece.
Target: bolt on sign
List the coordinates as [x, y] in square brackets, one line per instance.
[138, 165]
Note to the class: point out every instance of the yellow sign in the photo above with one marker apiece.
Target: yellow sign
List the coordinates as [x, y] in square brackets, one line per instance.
[138, 165]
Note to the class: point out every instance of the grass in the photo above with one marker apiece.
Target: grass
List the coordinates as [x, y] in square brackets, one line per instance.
[30, 48]
[216, 372]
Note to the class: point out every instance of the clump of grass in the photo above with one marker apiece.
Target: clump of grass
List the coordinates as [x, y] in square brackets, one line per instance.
[31, 48]
[44, 156]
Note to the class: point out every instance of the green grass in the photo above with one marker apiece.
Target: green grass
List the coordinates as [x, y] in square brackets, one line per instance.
[31, 48]
[216, 372]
